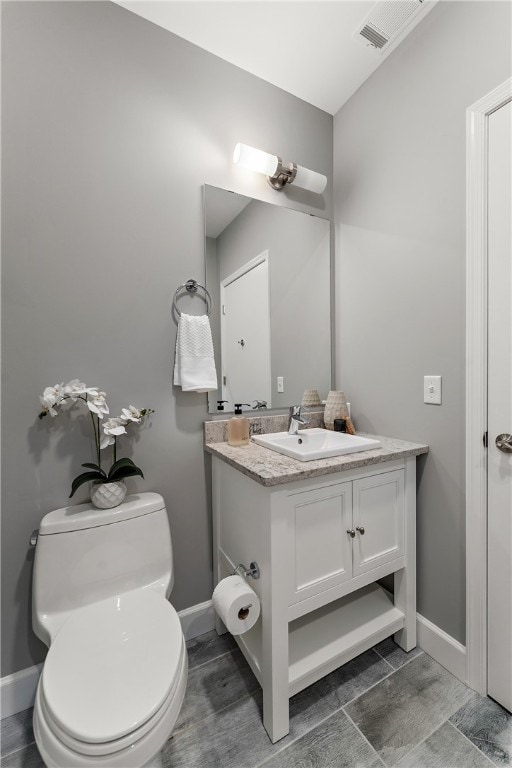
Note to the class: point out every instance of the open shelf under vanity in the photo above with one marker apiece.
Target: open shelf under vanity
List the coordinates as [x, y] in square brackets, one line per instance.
[321, 641]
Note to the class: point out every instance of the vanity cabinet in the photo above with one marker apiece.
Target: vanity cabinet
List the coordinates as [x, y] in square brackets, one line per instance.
[321, 544]
[343, 530]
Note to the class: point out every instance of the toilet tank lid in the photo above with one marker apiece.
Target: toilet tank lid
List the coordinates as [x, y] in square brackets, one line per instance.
[82, 516]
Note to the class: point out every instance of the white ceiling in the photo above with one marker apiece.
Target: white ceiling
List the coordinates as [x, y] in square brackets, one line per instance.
[305, 47]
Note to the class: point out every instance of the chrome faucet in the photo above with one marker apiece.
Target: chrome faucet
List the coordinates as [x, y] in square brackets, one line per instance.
[295, 420]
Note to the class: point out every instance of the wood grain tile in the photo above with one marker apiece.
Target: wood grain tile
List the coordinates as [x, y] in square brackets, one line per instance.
[393, 654]
[496, 754]
[215, 686]
[16, 732]
[335, 743]
[488, 726]
[446, 748]
[28, 757]
[208, 647]
[401, 711]
[235, 737]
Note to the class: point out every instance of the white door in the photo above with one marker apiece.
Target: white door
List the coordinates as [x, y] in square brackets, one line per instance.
[245, 331]
[499, 583]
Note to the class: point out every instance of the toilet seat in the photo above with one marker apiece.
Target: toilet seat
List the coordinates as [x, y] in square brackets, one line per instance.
[57, 754]
[111, 749]
[112, 672]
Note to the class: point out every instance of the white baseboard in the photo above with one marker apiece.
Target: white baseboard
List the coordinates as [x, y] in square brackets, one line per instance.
[442, 647]
[197, 620]
[18, 691]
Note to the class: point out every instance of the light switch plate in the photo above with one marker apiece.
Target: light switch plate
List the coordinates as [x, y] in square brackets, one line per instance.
[280, 383]
[432, 390]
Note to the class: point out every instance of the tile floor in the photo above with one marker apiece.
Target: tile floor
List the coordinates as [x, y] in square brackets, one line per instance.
[384, 708]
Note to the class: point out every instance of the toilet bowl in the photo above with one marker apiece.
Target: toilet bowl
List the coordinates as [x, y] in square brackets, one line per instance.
[115, 675]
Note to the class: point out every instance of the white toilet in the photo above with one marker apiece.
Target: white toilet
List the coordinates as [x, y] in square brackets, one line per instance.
[115, 675]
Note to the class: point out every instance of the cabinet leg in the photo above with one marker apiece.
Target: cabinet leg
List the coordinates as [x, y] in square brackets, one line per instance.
[277, 724]
[275, 682]
[405, 600]
[405, 580]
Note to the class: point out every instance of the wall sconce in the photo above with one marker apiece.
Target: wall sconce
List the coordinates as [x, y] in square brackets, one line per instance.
[278, 174]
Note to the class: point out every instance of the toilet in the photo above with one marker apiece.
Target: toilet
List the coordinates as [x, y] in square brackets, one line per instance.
[115, 674]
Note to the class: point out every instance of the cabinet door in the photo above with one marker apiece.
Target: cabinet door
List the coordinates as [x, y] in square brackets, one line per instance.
[378, 509]
[320, 547]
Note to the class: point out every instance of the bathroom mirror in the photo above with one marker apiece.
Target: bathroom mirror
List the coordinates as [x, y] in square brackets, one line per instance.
[268, 271]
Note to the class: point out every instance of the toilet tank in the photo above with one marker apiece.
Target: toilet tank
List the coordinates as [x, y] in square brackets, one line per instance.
[84, 555]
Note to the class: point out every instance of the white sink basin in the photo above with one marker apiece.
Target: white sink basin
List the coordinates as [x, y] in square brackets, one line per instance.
[311, 444]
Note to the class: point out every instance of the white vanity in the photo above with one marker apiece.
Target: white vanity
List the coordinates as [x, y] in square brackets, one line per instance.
[322, 534]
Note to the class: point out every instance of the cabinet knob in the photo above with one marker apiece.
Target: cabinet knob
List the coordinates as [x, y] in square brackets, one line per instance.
[360, 529]
[351, 533]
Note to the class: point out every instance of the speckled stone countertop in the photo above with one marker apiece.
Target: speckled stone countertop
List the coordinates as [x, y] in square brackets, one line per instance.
[270, 468]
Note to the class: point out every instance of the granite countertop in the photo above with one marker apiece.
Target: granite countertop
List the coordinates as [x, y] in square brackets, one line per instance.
[270, 468]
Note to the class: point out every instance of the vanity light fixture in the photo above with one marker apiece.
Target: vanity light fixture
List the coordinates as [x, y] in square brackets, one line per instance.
[277, 173]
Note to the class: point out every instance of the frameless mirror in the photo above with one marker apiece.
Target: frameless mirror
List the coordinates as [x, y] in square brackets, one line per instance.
[268, 270]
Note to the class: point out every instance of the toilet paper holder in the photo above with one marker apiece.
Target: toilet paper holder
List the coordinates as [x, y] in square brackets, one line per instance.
[253, 571]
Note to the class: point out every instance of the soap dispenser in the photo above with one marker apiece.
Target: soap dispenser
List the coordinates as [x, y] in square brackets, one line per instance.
[238, 427]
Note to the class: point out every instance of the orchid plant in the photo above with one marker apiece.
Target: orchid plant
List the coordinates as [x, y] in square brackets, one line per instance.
[105, 432]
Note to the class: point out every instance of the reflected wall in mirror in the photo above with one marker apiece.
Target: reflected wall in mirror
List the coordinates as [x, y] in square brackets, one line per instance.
[268, 270]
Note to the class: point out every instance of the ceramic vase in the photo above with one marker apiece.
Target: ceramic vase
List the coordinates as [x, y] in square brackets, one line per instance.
[335, 408]
[310, 398]
[108, 495]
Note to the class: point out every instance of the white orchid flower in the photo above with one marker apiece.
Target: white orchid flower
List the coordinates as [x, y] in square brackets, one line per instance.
[97, 404]
[47, 407]
[112, 428]
[52, 397]
[131, 414]
[75, 388]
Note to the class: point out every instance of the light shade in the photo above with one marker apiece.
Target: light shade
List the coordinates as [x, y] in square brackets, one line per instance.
[311, 180]
[278, 174]
[255, 159]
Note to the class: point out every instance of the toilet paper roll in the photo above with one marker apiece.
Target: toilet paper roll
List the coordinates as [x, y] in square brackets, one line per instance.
[237, 604]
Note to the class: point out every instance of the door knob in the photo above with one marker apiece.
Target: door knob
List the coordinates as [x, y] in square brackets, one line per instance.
[360, 529]
[351, 533]
[504, 443]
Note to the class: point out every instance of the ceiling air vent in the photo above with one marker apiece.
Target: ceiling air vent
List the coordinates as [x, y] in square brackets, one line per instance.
[386, 21]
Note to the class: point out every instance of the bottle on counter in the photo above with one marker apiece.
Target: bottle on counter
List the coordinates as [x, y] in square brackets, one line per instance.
[238, 427]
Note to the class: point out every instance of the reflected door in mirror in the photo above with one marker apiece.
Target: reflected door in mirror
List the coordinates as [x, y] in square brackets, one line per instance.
[245, 332]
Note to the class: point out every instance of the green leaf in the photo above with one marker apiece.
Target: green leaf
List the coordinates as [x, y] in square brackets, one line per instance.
[122, 472]
[96, 467]
[119, 464]
[84, 478]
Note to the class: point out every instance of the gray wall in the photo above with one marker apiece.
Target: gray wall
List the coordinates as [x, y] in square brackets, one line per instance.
[399, 176]
[111, 126]
[299, 277]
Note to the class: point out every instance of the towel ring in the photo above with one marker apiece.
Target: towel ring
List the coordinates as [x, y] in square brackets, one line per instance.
[191, 286]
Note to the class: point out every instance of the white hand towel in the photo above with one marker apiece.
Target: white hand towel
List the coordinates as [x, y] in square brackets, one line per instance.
[194, 364]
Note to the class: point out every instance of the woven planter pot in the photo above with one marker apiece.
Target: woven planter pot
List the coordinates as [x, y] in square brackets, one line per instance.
[108, 495]
[335, 408]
